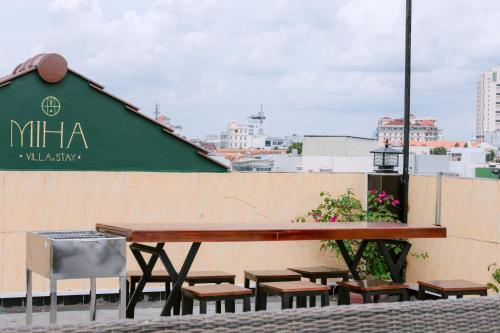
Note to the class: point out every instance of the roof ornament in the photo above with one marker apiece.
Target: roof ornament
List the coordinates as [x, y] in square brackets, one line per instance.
[51, 67]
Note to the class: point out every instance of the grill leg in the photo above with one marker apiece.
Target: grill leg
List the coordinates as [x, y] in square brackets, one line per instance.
[123, 297]
[29, 298]
[53, 301]
[92, 298]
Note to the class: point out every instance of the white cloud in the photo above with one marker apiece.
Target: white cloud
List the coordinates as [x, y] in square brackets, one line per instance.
[208, 62]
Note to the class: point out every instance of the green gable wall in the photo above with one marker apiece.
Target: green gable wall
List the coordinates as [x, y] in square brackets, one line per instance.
[117, 139]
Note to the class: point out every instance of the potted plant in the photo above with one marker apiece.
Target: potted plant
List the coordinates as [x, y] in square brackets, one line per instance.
[347, 208]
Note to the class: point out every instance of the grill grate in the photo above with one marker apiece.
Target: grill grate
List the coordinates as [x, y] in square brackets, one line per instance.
[74, 234]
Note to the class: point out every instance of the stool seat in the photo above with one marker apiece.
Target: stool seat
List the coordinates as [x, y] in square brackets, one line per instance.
[272, 274]
[369, 288]
[373, 285]
[217, 290]
[214, 292]
[196, 277]
[445, 288]
[320, 272]
[453, 285]
[294, 286]
[287, 290]
[156, 276]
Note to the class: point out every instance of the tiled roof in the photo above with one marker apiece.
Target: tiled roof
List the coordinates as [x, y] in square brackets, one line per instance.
[434, 144]
[236, 154]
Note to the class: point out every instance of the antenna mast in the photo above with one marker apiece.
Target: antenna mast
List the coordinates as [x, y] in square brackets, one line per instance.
[157, 111]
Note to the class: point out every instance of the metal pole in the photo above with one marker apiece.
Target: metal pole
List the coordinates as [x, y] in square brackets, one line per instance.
[406, 144]
[437, 220]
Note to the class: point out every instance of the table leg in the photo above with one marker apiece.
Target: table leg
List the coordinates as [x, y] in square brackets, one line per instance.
[29, 297]
[395, 266]
[146, 268]
[175, 295]
[352, 263]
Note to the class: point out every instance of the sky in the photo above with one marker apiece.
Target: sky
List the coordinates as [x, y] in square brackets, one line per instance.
[317, 66]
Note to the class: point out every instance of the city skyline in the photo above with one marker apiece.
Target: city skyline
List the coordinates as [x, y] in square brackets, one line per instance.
[328, 67]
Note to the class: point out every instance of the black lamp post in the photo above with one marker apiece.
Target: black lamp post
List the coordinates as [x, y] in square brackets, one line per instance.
[406, 134]
[386, 158]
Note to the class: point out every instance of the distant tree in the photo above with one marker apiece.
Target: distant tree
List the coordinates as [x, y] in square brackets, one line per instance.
[466, 145]
[295, 145]
[490, 156]
[438, 151]
[457, 144]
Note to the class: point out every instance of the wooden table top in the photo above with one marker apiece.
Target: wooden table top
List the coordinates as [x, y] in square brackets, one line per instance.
[238, 232]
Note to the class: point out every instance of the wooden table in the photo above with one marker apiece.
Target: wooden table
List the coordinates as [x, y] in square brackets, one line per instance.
[382, 233]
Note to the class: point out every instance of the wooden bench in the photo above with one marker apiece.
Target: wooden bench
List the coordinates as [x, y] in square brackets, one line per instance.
[267, 276]
[218, 293]
[322, 273]
[445, 288]
[369, 288]
[300, 289]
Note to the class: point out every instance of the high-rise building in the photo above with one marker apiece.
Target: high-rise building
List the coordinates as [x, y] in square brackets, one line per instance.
[421, 129]
[247, 135]
[488, 103]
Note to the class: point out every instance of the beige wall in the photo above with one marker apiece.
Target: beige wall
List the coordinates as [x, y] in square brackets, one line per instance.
[470, 209]
[78, 200]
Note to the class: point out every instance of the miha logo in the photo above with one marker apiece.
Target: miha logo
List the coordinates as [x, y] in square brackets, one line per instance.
[51, 106]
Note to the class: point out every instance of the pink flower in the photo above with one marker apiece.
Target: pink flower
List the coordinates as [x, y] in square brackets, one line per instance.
[333, 219]
[373, 191]
[395, 202]
[382, 195]
[379, 200]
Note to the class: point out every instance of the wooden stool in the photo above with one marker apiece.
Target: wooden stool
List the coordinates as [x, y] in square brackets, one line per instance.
[445, 288]
[300, 289]
[193, 278]
[218, 292]
[267, 276]
[368, 288]
[133, 278]
[199, 277]
[323, 273]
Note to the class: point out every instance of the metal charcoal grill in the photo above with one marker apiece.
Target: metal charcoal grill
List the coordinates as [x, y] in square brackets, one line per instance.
[59, 255]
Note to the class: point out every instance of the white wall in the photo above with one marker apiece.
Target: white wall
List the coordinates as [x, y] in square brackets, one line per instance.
[337, 163]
